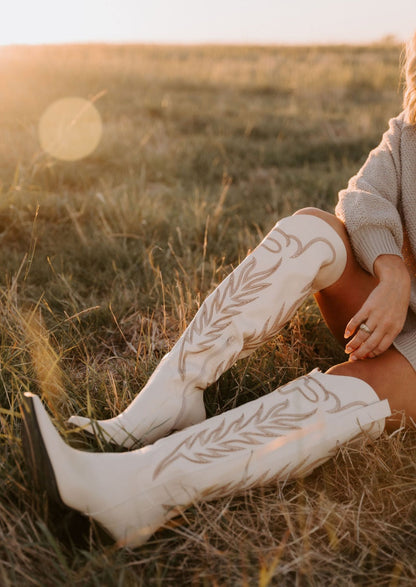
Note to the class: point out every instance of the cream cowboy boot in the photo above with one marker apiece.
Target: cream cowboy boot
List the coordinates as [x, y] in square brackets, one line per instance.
[302, 254]
[282, 435]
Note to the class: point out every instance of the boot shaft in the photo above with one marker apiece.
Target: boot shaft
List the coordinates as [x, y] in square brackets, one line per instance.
[301, 254]
[310, 403]
[284, 434]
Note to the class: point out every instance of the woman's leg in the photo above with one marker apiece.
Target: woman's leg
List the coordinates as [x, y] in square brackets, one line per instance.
[284, 434]
[390, 374]
[341, 300]
[300, 255]
[392, 377]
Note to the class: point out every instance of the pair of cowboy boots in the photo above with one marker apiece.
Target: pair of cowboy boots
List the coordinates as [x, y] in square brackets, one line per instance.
[284, 434]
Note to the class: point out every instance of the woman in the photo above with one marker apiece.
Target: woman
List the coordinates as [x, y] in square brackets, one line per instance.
[359, 264]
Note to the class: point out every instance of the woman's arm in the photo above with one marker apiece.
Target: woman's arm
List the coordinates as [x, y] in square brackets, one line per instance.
[369, 206]
[384, 311]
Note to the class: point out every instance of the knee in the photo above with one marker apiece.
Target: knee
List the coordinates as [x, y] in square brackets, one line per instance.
[357, 369]
[341, 369]
[329, 218]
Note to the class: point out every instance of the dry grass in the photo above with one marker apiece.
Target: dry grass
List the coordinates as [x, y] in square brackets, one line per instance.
[105, 261]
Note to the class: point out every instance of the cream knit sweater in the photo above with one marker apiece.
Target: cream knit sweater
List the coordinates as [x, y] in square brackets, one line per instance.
[378, 209]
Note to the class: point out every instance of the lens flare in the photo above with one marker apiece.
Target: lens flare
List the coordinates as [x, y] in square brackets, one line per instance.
[70, 129]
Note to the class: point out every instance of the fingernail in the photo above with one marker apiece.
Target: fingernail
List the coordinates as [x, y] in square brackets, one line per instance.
[353, 358]
[348, 349]
[347, 334]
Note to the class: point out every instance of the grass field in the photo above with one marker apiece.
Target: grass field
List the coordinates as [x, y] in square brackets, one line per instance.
[104, 262]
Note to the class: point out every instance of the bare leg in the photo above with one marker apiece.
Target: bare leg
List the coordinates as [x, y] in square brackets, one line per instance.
[339, 302]
[392, 377]
[390, 374]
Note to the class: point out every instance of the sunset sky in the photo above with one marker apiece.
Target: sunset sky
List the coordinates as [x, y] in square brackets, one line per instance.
[200, 21]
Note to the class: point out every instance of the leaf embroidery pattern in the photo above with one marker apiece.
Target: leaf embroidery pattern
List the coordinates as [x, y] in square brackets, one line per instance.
[219, 490]
[244, 432]
[247, 431]
[218, 310]
[313, 390]
[300, 469]
[239, 289]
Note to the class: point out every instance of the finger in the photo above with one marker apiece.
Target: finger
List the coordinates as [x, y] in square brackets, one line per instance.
[373, 354]
[360, 317]
[360, 338]
[375, 344]
[354, 343]
[385, 344]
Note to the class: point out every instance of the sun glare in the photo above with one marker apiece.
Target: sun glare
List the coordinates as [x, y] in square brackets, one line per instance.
[70, 129]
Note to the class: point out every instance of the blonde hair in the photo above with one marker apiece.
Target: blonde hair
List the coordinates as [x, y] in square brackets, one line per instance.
[409, 101]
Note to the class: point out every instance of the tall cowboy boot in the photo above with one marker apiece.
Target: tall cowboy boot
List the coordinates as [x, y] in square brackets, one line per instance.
[302, 254]
[282, 435]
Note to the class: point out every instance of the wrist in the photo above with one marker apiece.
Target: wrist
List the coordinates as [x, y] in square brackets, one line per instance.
[390, 267]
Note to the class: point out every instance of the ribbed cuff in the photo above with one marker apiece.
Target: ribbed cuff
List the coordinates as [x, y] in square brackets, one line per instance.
[371, 242]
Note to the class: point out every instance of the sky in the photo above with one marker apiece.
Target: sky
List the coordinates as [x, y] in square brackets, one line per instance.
[205, 21]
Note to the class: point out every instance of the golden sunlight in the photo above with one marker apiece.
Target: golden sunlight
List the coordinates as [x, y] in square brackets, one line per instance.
[70, 129]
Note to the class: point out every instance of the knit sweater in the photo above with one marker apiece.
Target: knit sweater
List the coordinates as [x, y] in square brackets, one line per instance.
[378, 209]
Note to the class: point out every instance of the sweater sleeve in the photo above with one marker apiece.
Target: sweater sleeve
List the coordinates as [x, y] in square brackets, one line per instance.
[369, 205]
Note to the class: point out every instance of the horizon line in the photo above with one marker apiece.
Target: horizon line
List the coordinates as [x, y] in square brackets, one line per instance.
[392, 40]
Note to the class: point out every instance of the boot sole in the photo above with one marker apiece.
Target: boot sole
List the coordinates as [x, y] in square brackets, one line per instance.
[36, 455]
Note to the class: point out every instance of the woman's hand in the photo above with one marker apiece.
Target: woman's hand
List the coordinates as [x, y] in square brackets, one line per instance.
[384, 312]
